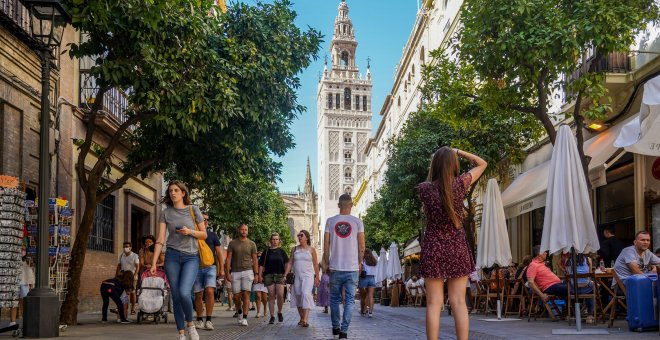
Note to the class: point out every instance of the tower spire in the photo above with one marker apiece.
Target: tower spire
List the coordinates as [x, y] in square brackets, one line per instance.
[308, 179]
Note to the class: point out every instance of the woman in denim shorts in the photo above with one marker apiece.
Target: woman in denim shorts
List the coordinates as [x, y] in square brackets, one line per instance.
[367, 283]
[271, 266]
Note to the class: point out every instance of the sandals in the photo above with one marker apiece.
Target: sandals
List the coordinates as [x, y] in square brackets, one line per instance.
[303, 323]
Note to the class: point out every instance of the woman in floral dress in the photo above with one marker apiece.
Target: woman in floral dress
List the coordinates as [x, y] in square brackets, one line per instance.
[445, 254]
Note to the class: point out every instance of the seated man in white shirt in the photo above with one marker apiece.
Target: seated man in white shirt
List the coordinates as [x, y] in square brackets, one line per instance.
[411, 286]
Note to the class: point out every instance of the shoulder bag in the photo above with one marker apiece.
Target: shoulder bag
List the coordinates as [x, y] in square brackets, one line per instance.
[291, 277]
[205, 254]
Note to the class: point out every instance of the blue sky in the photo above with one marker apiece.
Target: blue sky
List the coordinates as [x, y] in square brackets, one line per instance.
[382, 28]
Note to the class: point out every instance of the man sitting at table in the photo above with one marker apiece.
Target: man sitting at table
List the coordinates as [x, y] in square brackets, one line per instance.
[636, 259]
[541, 279]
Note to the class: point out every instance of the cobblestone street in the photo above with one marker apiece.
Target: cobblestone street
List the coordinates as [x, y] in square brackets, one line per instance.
[387, 323]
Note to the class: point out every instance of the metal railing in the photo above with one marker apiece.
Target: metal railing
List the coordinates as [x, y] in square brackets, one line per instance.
[16, 12]
[115, 101]
[615, 62]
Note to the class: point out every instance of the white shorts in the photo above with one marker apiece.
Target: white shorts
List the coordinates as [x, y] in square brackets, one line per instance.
[259, 287]
[242, 281]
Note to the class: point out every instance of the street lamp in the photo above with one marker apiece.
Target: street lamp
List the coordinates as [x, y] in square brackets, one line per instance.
[41, 316]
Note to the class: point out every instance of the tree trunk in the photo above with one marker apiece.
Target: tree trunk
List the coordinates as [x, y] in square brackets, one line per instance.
[69, 310]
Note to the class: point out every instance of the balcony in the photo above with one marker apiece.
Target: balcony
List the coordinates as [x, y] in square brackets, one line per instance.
[115, 102]
[616, 65]
[349, 180]
[348, 145]
[349, 160]
[13, 13]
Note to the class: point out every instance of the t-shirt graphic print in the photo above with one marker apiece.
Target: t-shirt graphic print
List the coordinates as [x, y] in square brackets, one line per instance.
[343, 231]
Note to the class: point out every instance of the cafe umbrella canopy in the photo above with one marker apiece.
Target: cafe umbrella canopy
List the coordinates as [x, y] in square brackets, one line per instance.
[568, 224]
[493, 249]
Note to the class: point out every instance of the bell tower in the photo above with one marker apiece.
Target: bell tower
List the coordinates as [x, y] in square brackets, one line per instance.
[343, 118]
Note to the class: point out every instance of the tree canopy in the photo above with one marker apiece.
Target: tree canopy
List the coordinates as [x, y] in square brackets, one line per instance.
[210, 95]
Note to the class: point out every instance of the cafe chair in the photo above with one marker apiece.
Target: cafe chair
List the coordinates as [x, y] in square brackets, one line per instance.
[570, 301]
[619, 299]
[515, 296]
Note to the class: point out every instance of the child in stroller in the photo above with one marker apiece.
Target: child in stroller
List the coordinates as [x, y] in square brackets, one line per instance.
[152, 296]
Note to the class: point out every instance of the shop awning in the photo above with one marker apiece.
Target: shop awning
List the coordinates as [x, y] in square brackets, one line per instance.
[527, 191]
[412, 248]
[642, 134]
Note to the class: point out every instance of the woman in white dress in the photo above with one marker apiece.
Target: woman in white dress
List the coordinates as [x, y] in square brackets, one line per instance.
[305, 266]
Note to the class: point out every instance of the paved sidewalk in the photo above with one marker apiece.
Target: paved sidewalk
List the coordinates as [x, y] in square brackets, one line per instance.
[388, 323]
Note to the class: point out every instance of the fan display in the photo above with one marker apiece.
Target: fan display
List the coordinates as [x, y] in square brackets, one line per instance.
[12, 225]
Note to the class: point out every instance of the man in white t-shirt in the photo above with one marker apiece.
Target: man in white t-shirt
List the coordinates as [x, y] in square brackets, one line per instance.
[343, 249]
[128, 260]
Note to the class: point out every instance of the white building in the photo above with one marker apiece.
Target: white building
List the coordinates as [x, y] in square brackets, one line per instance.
[435, 24]
[343, 120]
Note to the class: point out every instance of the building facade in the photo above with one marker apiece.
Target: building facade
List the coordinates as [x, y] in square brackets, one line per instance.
[343, 118]
[302, 211]
[128, 213]
[435, 24]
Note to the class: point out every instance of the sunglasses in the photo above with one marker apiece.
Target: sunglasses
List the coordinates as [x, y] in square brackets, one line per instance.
[301, 235]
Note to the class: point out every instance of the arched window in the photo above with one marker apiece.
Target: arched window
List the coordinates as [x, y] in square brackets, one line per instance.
[348, 137]
[421, 56]
[412, 71]
[348, 190]
[337, 100]
[347, 99]
[348, 172]
[344, 58]
[399, 102]
[348, 154]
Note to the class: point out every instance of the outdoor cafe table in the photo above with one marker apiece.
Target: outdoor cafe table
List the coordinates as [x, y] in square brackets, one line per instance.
[604, 280]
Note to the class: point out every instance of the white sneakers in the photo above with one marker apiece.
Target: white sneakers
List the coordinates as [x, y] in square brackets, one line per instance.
[198, 324]
[192, 333]
[208, 325]
[181, 337]
[244, 322]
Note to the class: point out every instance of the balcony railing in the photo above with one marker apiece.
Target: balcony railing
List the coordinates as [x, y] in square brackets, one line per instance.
[348, 179]
[348, 145]
[14, 11]
[349, 160]
[616, 62]
[115, 101]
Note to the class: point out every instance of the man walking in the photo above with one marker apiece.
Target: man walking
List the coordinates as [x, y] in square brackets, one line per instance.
[242, 270]
[206, 280]
[129, 261]
[343, 249]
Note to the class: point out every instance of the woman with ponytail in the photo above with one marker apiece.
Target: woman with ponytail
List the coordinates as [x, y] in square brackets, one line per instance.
[445, 253]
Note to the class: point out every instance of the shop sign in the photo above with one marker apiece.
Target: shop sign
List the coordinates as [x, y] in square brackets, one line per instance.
[8, 182]
[655, 170]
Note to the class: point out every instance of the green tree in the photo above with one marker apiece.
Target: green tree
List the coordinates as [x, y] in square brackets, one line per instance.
[453, 114]
[526, 46]
[256, 203]
[205, 91]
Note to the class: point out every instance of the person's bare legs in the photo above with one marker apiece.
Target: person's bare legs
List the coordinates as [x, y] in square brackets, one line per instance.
[199, 308]
[300, 313]
[303, 316]
[456, 287]
[271, 299]
[434, 303]
[258, 302]
[245, 295]
[370, 298]
[210, 300]
[13, 313]
[363, 300]
[264, 301]
[279, 290]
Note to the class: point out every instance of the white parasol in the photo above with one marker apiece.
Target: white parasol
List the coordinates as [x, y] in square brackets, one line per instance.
[568, 225]
[493, 249]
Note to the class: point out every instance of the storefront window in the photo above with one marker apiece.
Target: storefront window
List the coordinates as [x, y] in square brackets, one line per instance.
[537, 225]
[616, 204]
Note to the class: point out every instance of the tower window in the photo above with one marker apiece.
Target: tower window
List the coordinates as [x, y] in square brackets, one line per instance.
[344, 58]
[421, 56]
[357, 102]
[348, 137]
[347, 99]
[329, 100]
[348, 155]
[364, 103]
[338, 99]
[348, 172]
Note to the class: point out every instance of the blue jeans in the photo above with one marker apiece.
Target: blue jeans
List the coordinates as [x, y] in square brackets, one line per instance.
[181, 270]
[348, 281]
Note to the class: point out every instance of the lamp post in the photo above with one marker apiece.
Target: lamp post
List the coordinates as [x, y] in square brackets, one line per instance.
[42, 308]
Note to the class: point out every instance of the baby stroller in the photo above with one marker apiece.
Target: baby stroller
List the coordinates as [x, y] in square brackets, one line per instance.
[151, 296]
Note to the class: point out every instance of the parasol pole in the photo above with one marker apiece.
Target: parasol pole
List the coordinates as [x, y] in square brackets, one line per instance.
[499, 301]
[578, 315]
